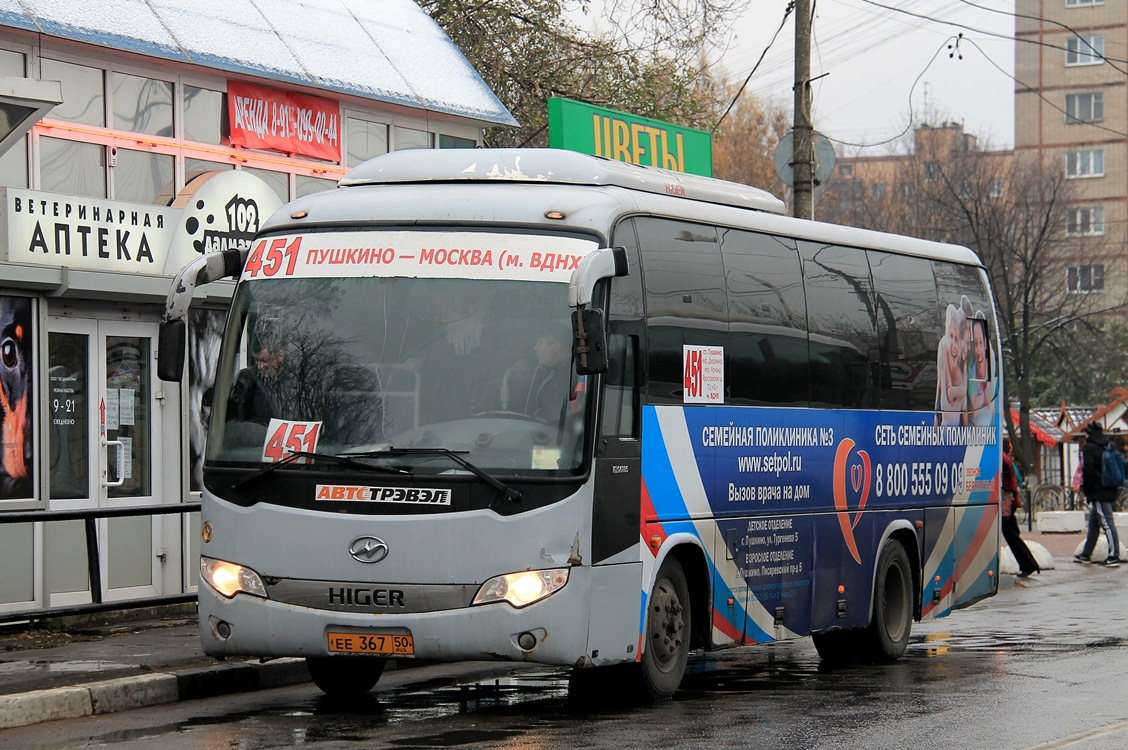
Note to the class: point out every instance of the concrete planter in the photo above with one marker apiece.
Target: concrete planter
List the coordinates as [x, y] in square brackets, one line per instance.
[1062, 521]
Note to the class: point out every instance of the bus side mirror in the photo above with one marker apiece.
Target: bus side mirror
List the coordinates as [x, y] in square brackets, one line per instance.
[589, 342]
[170, 350]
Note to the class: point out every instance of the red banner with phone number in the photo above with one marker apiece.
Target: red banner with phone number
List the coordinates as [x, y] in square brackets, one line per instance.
[284, 121]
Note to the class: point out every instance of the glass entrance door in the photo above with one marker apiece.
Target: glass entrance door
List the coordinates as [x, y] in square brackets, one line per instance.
[107, 450]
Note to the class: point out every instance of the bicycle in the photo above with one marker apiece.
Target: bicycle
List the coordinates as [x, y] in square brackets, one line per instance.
[1048, 497]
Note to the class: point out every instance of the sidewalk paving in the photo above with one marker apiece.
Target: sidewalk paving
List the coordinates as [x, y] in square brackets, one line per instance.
[46, 676]
[85, 671]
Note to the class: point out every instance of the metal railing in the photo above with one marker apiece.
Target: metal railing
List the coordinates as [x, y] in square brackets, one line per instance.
[89, 517]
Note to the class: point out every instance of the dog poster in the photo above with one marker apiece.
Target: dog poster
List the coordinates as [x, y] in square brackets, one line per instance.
[17, 467]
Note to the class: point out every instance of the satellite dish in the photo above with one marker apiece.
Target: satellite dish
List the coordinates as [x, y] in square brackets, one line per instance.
[824, 158]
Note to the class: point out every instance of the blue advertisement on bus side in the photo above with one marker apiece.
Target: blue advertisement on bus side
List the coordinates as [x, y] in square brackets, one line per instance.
[801, 497]
[786, 461]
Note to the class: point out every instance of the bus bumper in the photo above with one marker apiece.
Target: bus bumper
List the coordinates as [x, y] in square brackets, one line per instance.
[551, 631]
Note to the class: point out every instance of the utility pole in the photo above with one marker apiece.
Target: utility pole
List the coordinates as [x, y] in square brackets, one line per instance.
[802, 156]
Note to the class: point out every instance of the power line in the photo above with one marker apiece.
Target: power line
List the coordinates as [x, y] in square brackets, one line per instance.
[1038, 94]
[947, 44]
[787, 12]
[996, 34]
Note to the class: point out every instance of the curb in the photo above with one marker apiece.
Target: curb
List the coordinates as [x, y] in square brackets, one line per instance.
[126, 693]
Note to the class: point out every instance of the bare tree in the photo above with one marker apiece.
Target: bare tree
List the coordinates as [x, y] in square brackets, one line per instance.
[744, 145]
[648, 62]
[1017, 211]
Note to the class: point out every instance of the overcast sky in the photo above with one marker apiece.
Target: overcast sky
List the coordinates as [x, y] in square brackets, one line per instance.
[879, 61]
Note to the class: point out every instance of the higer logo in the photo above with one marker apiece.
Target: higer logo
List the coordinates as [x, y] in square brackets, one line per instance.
[857, 465]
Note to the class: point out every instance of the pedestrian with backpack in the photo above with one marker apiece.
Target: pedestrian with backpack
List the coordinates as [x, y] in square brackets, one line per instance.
[1100, 498]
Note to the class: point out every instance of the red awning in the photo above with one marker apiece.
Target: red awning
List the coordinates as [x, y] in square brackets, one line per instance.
[1040, 435]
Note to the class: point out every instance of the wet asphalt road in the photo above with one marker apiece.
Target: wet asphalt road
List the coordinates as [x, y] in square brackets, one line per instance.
[1042, 665]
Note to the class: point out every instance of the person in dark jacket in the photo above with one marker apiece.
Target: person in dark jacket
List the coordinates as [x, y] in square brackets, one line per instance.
[1100, 499]
[1009, 502]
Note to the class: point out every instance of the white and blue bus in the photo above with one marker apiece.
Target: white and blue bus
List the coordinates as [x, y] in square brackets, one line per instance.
[540, 406]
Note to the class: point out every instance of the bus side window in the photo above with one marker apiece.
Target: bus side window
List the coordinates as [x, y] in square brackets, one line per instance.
[686, 299]
[626, 291]
[621, 391]
[964, 298]
[908, 330]
[842, 326]
[767, 360]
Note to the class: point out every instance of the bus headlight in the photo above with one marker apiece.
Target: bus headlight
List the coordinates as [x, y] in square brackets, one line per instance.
[230, 579]
[522, 589]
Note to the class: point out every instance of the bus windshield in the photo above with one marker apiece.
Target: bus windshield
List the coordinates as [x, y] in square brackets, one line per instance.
[363, 364]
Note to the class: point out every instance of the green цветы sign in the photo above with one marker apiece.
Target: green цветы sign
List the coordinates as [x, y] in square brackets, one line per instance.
[624, 137]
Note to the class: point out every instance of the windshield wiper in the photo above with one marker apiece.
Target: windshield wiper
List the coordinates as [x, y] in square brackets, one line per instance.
[511, 494]
[292, 456]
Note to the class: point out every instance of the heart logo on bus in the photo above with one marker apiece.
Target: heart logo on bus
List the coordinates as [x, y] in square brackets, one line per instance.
[861, 474]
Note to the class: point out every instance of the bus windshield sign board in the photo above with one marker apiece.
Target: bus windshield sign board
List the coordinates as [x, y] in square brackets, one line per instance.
[625, 137]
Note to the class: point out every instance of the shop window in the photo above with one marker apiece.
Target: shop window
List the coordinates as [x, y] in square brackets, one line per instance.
[364, 139]
[68, 361]
[304, 185]
[13, 165]
[84, 99]
[279, 182]
[450, 141]
[11, 64]
[13, 162]
[72, 167]
[142, 105]
[406, 138]
[143, 177]
[205, 115]
[194, 168]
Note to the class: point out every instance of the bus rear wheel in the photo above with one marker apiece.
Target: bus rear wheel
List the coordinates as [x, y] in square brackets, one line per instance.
[837, 646]
[666, 648]
[343, 676]
[887, 636]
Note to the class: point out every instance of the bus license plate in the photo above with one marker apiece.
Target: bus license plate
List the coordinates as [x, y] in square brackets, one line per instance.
[372, 643]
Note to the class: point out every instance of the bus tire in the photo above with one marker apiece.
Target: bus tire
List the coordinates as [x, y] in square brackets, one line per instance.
[667, 638]
[836, 646]
[343, 676]
[887, 636]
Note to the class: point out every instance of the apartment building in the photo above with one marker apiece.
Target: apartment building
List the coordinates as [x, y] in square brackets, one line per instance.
[1071, 110]
[886, 192]
[1071, 119]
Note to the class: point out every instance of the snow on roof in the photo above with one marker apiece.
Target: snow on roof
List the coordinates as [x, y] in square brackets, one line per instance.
[384, 50]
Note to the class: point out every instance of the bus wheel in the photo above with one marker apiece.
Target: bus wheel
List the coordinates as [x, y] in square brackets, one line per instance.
[836, 647]
[888, 633]
[666, 647]
[344, 676]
